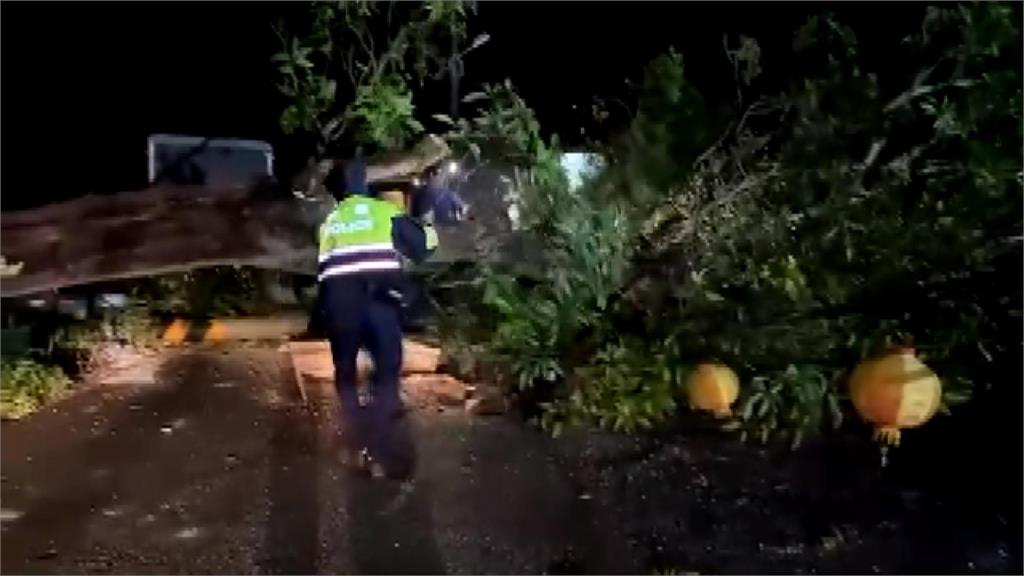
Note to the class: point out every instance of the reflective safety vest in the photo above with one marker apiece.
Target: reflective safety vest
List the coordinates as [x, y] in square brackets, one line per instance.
[356, 238]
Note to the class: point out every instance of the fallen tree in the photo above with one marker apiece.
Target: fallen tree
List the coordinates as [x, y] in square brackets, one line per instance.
[348, 73]
[176, 228]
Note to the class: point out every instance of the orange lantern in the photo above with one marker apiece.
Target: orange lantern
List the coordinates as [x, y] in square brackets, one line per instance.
[894, 392]
[713, 388]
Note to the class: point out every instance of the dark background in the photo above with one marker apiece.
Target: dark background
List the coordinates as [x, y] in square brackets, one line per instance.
[85, 83]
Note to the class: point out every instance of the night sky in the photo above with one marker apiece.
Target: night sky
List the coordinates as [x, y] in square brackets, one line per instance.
[85, 83]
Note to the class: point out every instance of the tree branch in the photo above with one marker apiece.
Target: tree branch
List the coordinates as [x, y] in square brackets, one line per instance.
[916, 88]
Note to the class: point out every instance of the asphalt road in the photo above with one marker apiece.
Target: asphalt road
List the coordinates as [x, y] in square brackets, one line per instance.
[207, 461]
[217, 466]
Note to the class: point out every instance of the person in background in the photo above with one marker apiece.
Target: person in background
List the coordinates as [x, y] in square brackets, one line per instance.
[435, 202]
[432, 202]
[361, 243]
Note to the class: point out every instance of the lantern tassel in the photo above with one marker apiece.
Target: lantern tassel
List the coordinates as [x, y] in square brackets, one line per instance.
[889, 435]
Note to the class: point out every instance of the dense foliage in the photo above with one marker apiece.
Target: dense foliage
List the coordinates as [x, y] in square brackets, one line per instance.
[25, 385]
[348, 73]
[789, 234]
[849, 212]
[207, 292]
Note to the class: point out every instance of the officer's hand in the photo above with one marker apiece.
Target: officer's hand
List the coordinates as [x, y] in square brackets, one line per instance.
[441, 206]
[449, 208]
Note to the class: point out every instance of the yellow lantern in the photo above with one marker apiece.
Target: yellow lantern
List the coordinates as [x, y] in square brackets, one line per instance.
[714, 388]
[894, 392]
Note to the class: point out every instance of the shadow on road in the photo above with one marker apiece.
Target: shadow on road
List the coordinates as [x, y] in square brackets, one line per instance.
[291, 541]
[390, 528]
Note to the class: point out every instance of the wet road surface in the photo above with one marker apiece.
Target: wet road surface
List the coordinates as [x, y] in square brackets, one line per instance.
[217, 466]
[211, 463]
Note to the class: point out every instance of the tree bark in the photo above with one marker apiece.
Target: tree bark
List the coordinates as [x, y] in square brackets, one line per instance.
[382, 168]
[173, 229]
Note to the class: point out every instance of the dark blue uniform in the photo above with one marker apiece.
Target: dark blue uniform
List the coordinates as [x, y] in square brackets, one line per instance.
[361, 292]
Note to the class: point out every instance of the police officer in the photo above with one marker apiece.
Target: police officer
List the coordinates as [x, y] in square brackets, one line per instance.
[361, 243]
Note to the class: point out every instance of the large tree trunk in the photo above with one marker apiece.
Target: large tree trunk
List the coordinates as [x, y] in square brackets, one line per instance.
[156, 231]
[172, 229]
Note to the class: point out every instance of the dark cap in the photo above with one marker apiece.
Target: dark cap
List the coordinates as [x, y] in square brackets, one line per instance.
[347, 178]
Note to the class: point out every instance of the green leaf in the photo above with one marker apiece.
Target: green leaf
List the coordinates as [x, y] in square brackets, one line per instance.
[443, 118]
[748, 409]
[798, 437]
[328, 90]
[479, 41]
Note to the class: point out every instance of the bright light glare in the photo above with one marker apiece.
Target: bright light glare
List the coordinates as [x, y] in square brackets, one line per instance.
[453, 167]
[579, 166]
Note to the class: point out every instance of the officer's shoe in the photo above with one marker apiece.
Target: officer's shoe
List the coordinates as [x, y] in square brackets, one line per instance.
[356, 461]
[379, 471]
